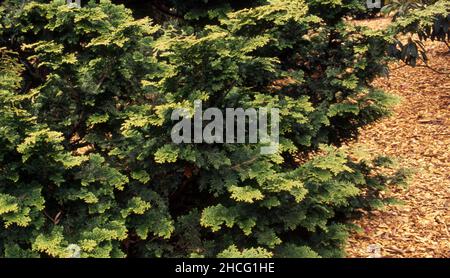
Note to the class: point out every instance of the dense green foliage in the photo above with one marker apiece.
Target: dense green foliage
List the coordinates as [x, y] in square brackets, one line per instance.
[87, 164]
[419, 20]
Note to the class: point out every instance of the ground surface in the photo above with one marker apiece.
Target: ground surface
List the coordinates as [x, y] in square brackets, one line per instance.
[418, 135]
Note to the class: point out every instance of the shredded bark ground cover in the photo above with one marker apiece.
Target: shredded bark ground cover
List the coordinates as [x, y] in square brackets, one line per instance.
[418, 135]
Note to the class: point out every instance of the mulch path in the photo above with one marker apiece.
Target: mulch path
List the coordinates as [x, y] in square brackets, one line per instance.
[418, 136]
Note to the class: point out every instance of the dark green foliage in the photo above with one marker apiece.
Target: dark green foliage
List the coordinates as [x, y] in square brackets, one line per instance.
[86, 157]
[428, 19]
[198, 12]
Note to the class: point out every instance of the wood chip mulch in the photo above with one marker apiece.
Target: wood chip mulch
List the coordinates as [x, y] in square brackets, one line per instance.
[418, 135]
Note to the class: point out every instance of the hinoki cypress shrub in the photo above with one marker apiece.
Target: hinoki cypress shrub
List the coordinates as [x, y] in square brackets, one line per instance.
[87, 164]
